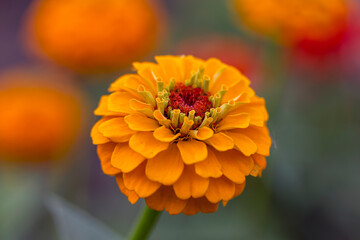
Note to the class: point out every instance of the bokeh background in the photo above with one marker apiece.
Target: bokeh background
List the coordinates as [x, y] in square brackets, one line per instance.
[310, 189]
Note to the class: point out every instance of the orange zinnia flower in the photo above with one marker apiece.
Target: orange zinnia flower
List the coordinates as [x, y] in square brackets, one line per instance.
[183, 134]
[293, 21]
[39, 120]
[93, 35]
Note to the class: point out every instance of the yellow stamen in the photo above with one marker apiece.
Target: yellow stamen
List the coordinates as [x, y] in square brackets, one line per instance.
[191, 115]
[206, 122]
[186, 126]
[175, 118]
[148, 97]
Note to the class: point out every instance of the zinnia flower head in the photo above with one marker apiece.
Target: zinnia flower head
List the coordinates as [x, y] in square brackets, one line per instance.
[294, 21]
[39, 120]
[183, 133]
[93, 35]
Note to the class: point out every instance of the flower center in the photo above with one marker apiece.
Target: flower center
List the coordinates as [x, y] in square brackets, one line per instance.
[188, 98]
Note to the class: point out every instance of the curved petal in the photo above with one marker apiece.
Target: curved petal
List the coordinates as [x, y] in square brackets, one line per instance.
[166, 167]
[220, 189]
[105, 152]
[190, 184]
[145, 144]
[140, 122]
[125, 159]
[221, 142]
[210, 167]
[103, 110]
[192, 151]
[96, 136]
[191, 207]
[165, 198]
[243, 143]
[116, 129]
[260, 136]
[132, 196]
[235, 165]
[164, 134]
[170, 66]
[119, 102]
[202, 134]
[240, 120]
[136, 180]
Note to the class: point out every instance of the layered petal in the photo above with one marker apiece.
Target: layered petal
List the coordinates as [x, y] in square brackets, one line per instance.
[136, 180]
[116, 129]
[166, 167]
[221, 142]
[164, 134]
[140, 122]
[243, 143]
[190, 184]
[210, 167]
[220, 189]
[105, 151]
[131, 194]
[234, 165]
[145, 144]
[165, 198]
[192, 151]
[124, 158]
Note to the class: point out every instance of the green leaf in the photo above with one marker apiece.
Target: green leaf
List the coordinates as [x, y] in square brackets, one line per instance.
[74, 223]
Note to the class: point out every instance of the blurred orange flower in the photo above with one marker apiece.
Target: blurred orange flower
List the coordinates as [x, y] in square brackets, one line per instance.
[294, 21]
[38, 120]
[93, 35]
[183, 133]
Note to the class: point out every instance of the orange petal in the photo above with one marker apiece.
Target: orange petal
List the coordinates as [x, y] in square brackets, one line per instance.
[164, 134]
[145, 144]
[103, 110]
[116, 129]
[243, 143]
[192, 151]
[227, 76]
[132, 196]
[190, 184]
[240, 120]
[210, 167]
[235, 165]
[165, 198]
[142, 107]
[220, 189]
[170, 66]
[136, 180]
[191, 207]
[105, 152]
[140, 122]
[205, 206]
[221, 142]
[125, 159]
[239, 188]
[166, 167]
[259, 160]
[188, 65]
[202, 134]
[260, 136]
[96, 136]
[238, 89]
[212, 66]
[119, 102]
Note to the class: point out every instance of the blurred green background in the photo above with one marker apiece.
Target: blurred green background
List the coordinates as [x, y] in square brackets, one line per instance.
[310, 189]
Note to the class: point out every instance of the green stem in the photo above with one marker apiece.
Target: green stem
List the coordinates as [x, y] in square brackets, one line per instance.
[144, 224]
